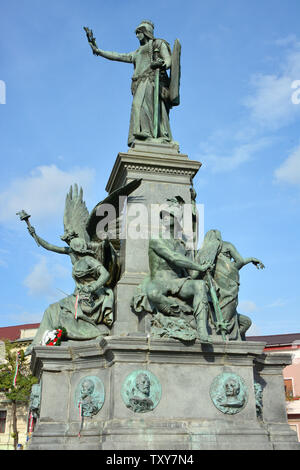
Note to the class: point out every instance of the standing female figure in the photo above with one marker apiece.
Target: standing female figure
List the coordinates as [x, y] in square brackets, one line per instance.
[151, 60]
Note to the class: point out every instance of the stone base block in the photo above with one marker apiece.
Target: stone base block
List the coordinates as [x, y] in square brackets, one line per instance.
[159, 395]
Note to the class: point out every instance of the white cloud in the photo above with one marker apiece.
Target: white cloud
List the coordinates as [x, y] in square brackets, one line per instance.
[289, 171]
[291, 39]
[4, 254]
[24, 317]
[270, 106]
[247, 306]
[277, 303]
[241, 153]
[42, 193]
[43, 279]
[39, 281]
[3, 263]
[254, 330]
[270, 103]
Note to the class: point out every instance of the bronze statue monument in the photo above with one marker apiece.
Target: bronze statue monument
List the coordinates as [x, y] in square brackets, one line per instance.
[152, 353]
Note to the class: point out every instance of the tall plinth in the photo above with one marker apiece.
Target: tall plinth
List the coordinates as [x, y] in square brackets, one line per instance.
[165, 173]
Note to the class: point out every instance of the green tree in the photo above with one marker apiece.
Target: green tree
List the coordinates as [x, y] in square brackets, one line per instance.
[19, 392]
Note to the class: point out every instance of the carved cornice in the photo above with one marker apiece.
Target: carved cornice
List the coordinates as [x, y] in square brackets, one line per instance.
[168, 165]
[156, 169]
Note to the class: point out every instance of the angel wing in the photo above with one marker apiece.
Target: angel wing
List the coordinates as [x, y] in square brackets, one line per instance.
[100, 225]
[75, 216]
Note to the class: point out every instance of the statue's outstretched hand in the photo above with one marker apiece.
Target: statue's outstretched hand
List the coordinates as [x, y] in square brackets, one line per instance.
[91, 40]
[94, 49]
[258, 264]
[31, 230]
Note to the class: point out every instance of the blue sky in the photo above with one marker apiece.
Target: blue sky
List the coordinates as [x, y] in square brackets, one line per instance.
[66, 117]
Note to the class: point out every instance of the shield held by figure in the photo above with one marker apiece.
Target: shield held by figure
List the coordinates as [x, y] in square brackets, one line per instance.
[175, 74]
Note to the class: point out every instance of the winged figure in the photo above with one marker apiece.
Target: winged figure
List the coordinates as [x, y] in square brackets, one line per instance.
[88, 312]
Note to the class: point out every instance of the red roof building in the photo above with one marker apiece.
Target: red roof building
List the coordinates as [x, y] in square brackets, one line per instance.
[14, 333]
[23, 334]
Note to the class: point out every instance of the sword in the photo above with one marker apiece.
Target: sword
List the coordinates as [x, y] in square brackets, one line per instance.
[156, 97]
[24, 216]
[221, 325]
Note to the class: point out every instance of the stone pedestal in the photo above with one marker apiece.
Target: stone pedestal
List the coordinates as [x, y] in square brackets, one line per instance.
[185, 416]
[165, 173]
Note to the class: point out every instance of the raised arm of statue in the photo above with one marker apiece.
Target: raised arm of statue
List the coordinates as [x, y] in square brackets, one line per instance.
[121, 57]
[240, 262]
[64, 250]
